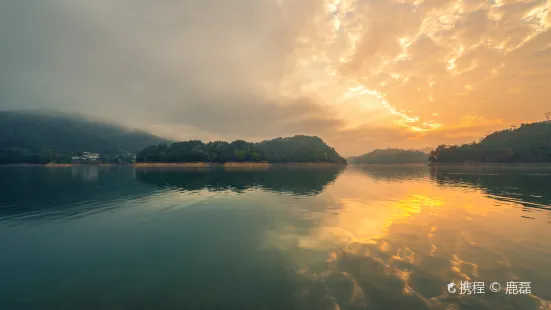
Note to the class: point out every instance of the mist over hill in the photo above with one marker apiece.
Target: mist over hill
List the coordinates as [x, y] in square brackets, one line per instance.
[44, 137]
[41, 137]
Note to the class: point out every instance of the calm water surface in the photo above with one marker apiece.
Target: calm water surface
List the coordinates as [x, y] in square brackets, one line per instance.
[279, 238]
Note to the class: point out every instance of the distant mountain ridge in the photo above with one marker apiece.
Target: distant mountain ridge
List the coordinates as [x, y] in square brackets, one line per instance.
[390, 156]
[39, 137]
[425, 150]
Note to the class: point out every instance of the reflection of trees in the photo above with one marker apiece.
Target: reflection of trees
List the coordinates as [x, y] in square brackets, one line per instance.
[39, 192]
[527, 186]
[393, 173]
[299, 181]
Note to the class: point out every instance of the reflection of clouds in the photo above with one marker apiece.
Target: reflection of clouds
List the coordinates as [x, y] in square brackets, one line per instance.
[395, 243]
[363, 222]
[376, 238]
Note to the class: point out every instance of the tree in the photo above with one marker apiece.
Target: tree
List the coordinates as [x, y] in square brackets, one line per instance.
[280, 150]
[27, 137]
[529, 143]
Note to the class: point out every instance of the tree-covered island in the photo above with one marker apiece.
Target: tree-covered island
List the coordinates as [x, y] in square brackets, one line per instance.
[296, 149]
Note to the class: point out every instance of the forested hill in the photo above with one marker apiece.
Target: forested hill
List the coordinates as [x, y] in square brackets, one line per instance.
[297, 149]
[390, 156]
[530, 143]
[39, 137]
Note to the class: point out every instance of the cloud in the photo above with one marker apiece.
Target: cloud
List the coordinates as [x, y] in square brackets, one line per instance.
[359, 73]
[460, 59]
[213, 66]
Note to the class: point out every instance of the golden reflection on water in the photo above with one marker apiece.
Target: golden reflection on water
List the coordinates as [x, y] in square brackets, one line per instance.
[402, 240]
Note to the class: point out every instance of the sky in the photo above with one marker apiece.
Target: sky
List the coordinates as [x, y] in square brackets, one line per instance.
[360, 74]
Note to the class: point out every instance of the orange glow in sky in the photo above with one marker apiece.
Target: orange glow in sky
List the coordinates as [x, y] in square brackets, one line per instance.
[361, 74]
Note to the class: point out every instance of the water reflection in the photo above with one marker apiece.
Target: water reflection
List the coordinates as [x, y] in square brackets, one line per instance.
[63, 192]
[57, 193]
[207, 257]
[85, 173]
[398, 246]
[527, 186]
[297, 180]
[366, 238]
[393, 173]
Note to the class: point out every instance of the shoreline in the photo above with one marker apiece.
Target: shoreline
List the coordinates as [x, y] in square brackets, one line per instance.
[266, 164]
[390, 165]
[197, 165]
[489, 165]
[232, 165]
[58, 165]
[183, 165]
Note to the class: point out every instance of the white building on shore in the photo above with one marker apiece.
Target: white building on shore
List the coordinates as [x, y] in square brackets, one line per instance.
[86, 157]
[91, 156]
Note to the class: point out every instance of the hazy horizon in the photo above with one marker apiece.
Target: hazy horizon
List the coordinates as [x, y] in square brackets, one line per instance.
[361, 74]
[99, 120]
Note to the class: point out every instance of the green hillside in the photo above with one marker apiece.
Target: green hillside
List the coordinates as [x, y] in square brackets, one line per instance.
[297, 149]
[33, 137]
[529, 143]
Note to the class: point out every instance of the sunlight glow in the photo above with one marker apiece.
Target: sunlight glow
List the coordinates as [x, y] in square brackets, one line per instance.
[397, 62]
[453, 58]
[404, 120]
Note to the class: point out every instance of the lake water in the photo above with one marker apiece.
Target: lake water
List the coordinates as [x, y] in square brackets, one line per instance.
[279, 238]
